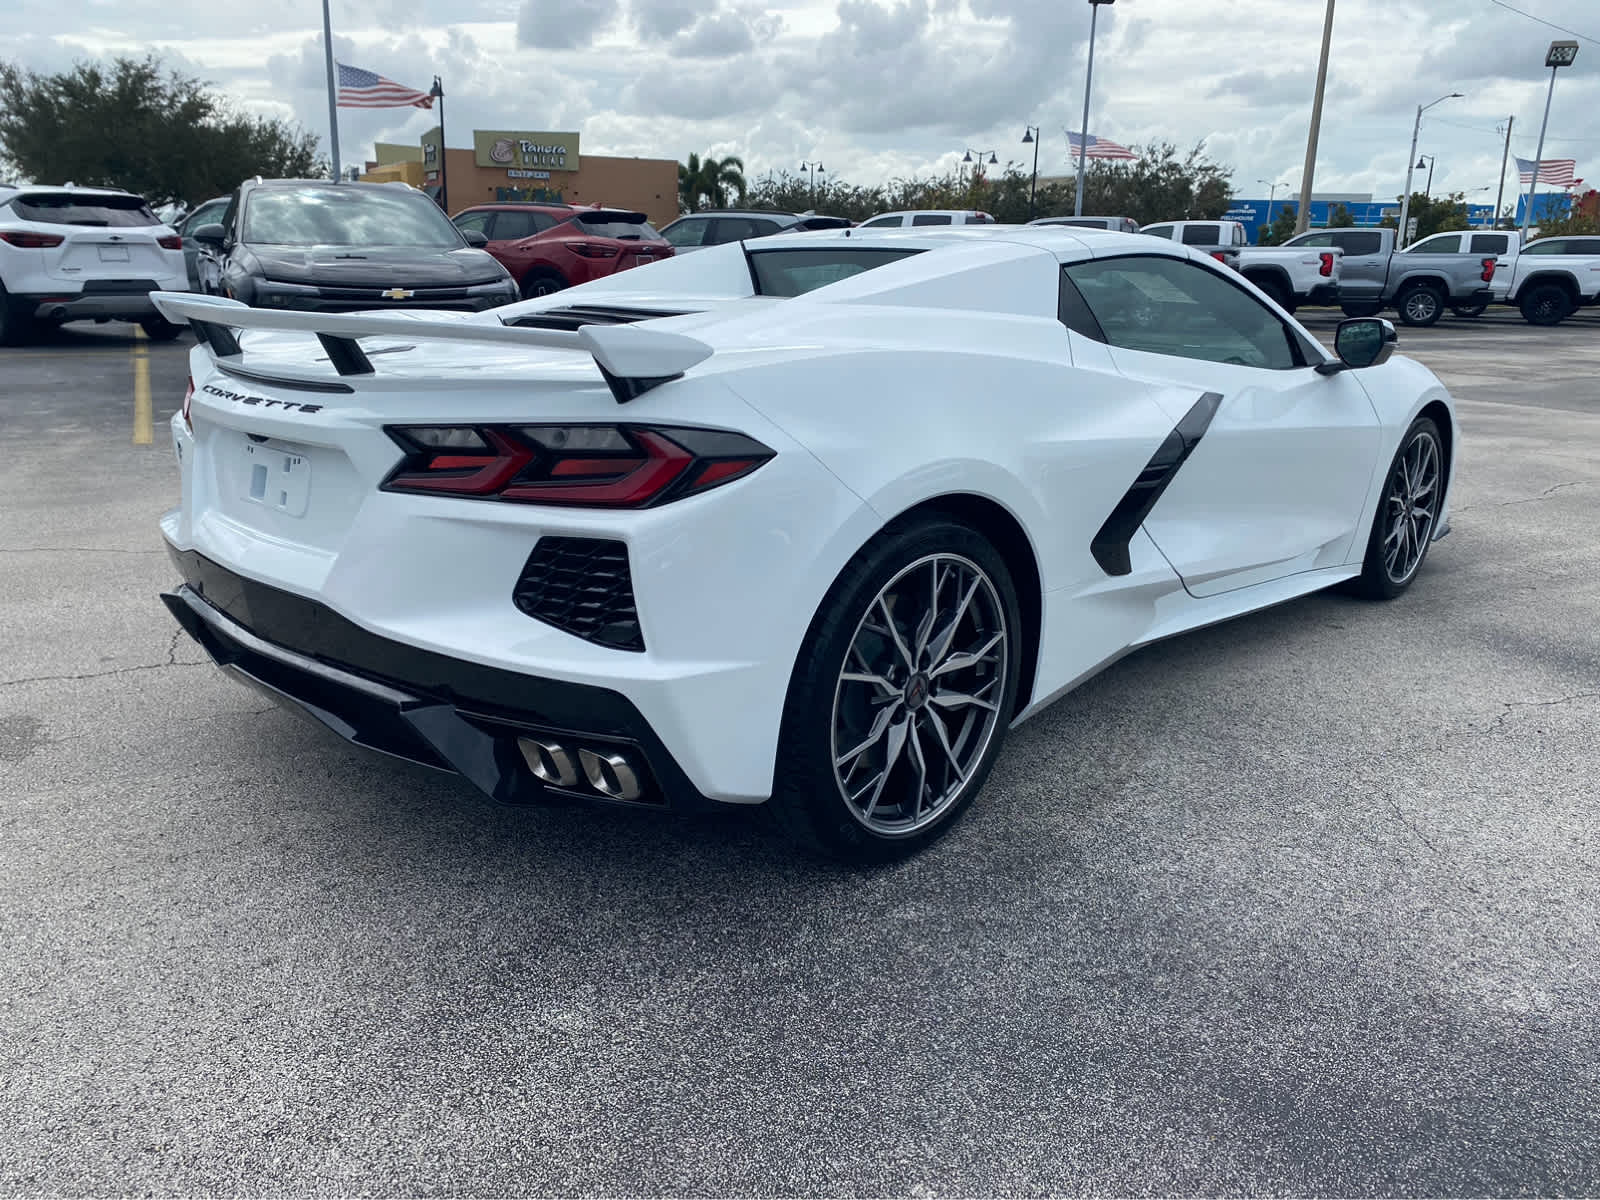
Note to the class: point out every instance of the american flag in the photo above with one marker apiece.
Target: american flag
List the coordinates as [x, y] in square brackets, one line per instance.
[1557, 172]
[364, 89]
[1098, 147]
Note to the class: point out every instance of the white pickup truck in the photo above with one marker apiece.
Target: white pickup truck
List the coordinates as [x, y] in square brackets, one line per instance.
[1291, 276]
[1502, 243]
[1553, 277]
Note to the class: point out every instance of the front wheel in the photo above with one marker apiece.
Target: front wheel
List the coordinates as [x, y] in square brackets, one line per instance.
[542, 283]
[1546, 304]
[1402, 528]
[901, 694]
[1421, 306]
[1361, 309]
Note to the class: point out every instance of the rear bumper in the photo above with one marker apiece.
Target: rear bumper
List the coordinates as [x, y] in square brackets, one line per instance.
[483, 723]
[107, 299]
[1483, 295]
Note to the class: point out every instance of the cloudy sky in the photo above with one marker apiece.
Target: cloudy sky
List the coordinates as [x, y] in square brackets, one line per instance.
[877, 88]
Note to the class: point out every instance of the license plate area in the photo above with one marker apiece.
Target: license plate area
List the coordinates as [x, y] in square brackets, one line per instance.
[277, 477]
[110, 254]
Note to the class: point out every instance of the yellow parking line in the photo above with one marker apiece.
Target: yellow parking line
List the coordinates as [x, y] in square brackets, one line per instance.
[143, 418]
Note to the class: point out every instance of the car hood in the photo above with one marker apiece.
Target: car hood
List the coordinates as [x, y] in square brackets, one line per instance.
[381, 265]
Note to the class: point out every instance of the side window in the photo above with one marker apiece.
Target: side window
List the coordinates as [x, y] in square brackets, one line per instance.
[762, 228]
[1358, 242]
[1313, 239]
[1202, 235]
[1160, 231]
[1554, 246]
[474, 220]
[730, 229]
[1585, 246]
[882, 223]
[930, 219]
[1073, 311]
[1445, 243]
[1490, 243]
[686, 233]
[510, 225]
[1169, 306]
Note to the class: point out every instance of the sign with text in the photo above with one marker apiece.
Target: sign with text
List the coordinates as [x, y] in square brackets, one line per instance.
[524, 150]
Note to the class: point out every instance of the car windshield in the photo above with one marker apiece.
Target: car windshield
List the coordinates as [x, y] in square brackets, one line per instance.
[64, 208]
[796, 272]
[607, 225]
[346, 216]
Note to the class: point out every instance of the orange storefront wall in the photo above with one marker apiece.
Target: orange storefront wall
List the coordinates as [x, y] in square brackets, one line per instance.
[647, 185]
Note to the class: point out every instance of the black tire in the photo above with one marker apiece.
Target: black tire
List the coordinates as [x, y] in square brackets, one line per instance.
[1469, 310]
[809, 802]
[1276, 292]
[158, 329]
[1420, 305]
[1378, 579]
[541, 283]
[1546, 304]
[16, 324]
[1369, 309]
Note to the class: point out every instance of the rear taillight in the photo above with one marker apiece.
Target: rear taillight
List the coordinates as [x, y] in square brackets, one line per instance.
[1327, 264]
[593, 249]
[188, 402]
[31, 241]
[1219, 256]
[1488, 270]
[170, 241]
[605, 466]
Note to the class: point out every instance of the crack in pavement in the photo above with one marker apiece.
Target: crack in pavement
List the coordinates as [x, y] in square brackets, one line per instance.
[1549, 491]
[1509, 705]
[161, 666]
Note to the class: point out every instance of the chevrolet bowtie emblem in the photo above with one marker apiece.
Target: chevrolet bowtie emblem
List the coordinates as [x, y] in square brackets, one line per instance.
[397, 294]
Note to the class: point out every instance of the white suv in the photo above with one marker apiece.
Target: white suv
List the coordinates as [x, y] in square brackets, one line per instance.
[73, 254]
[917, 218]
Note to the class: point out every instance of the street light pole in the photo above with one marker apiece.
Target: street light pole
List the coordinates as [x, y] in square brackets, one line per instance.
[437, 92]
[1560, 54]
[1307, 173]
[1405, 199]
[1432, 158]
[1030, 133]
[815, 169]
[333, 90]
[1271, 195]
[1083, 129]
[1504, 155]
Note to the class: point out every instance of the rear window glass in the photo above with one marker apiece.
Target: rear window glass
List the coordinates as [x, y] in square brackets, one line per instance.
[1359, 243]
[631, 231]
[64, 208]
[1201, 235]
[1490, 243]
[931, 219]
[796, 272]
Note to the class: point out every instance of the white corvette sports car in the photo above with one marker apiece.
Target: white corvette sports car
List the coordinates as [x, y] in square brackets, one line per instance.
[810, 521]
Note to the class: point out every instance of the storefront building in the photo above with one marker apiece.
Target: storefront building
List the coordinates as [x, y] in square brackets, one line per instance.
[529, 165]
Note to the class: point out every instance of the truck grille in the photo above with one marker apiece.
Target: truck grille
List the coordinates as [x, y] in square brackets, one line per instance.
[583, 586]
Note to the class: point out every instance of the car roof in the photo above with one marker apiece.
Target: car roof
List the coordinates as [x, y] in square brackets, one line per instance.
[936, 212]
[520, 206]
[23, 189]
[1066, 242]
[741, 212]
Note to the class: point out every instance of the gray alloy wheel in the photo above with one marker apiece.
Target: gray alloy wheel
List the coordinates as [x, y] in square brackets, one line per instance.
[1421, 305]
[1411, 506]
[919, 697]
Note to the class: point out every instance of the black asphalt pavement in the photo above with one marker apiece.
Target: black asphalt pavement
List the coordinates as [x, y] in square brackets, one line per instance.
[1304, 903]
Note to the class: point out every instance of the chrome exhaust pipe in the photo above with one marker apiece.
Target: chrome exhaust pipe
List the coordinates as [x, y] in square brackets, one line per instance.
[607, 772]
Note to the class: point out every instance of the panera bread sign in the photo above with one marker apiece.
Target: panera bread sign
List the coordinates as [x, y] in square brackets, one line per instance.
[517, 150]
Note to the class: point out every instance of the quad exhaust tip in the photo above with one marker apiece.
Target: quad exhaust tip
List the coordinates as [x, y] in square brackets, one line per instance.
[607, 772]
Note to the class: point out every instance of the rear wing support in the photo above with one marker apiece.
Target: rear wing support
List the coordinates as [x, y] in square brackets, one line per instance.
[631, 360]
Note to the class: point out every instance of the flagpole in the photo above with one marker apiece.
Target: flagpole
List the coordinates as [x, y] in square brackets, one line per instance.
[333, 89]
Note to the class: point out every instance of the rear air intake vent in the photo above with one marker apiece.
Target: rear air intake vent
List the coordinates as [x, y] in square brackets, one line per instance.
[581, 585]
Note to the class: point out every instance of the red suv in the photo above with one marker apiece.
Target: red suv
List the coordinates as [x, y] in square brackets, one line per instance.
[547, 247]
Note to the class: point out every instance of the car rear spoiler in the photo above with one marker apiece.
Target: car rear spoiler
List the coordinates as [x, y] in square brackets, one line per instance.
[631, 360]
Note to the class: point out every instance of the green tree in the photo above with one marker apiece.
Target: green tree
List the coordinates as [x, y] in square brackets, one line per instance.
[1282, 227]
[1583, 217]
[710, 183]
[1340, 218]
[130, 124]
[1440, 214]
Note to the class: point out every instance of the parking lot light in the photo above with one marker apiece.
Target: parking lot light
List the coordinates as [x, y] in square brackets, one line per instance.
[1083, 129]
[1030, 136]
[1405, 197]
[1560, 54]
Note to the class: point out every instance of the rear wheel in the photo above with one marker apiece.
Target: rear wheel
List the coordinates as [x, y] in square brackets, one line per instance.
[1361, 310]
[1546, 304]
[1421, 304]
[16, 323]
[541, 283]
[900, 696]
[158, 329]
[1469, 310]
[1276, 292]
[1402, 528]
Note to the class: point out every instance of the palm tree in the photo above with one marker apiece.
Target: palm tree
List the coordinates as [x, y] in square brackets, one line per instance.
[710, 181]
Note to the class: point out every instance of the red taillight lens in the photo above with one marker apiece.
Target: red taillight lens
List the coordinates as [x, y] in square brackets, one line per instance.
[188, 402]
[593, 249]
[1219, 256]
[31, 241]
[606, 466]
[170, 241]
[1327, 264]
[1488, 270]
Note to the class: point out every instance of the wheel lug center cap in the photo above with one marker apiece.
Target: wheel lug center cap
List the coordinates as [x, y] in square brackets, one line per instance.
[916, 691]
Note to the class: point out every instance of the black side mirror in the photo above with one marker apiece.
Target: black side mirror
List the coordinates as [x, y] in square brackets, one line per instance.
[1361, 342]
[475, 238]
[209, 235]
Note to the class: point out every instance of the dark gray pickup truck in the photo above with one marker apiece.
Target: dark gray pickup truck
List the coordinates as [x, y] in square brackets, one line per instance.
[1374, 276]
